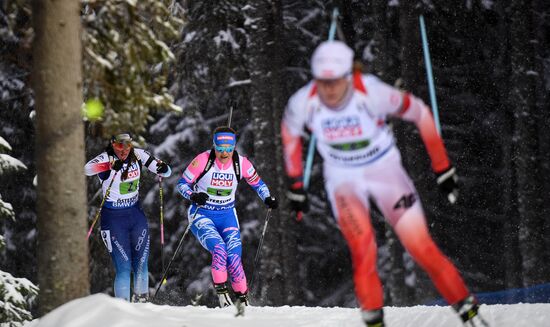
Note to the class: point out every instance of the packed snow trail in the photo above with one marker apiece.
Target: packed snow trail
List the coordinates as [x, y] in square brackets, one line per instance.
[100, 310]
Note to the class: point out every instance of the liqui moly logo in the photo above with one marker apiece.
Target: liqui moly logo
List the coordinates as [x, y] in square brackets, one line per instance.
[222, 179]
[133, 172]
[345, 127]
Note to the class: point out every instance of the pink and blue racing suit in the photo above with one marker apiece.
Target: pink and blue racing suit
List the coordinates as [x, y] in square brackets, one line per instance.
[216, 225]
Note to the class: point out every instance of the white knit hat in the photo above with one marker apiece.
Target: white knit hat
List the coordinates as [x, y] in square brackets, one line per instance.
[331, 60]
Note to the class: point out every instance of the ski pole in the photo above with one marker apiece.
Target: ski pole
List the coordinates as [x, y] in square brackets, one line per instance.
[161, 223]
[230, 116]
[101, 206]
[311, 148]
[175, 252]
[259, 251]
[94, 196]
[428, 63]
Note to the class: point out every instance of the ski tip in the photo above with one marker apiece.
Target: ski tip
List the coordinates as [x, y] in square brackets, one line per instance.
[164, 281]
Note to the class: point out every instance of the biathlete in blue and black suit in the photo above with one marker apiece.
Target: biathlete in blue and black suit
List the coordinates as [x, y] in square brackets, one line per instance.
[124, 227]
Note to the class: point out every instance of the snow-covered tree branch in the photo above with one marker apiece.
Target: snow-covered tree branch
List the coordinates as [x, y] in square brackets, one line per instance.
[16, 294]
[127, 58]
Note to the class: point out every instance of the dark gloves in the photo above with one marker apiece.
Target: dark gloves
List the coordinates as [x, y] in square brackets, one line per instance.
[298, 199]
[448, 184]
[271, 202]
[162, 167]
[199, 198]
[117, 165]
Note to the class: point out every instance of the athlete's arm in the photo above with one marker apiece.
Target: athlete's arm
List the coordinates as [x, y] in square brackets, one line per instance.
[415, 110]
[292, 126]
[253, 179]
[391, 101]
[97, 165]
[152, 163]
[190, 174]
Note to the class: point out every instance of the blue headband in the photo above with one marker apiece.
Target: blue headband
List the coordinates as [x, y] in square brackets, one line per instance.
[225, 138]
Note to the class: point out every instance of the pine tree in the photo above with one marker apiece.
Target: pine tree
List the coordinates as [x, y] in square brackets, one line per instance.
[523, 99]
[210, 76]
[126, 60]
[16, 294]
[266, 67]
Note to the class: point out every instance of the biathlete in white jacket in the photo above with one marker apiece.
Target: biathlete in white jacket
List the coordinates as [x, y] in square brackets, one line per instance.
[124, 227]
[347, 112]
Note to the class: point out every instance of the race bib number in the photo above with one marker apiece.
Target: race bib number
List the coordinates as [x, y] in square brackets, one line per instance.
[129, 187]
[219, 192]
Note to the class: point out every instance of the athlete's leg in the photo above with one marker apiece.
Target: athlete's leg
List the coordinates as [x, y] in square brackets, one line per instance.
[205, 231]
[413, 233]
[354, 221]
[397, 198]
[115, 235]
[229, 230]
[139, 237]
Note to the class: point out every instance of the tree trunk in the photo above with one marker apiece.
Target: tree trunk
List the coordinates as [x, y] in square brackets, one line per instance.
[276, 282]
[511, 255]
[523, 86]
[541, 10]
[380, 64]
[62, 245]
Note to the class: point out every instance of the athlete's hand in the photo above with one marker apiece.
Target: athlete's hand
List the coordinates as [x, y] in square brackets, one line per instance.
[162, 167]
[298, 199]
[448, 184]
[199, 198]
[117, 165]
[271, 202]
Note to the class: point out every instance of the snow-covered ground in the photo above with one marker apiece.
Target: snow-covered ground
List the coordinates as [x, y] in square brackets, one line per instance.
[100, 310]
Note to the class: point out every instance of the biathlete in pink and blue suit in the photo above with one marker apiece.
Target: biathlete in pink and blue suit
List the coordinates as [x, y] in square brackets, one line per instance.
[210, 183]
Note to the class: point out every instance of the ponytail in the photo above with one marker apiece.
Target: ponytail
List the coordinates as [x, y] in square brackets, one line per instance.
[131, 159]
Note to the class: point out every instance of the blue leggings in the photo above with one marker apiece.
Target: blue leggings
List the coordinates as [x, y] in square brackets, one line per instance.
[126, 235]
[218, 232]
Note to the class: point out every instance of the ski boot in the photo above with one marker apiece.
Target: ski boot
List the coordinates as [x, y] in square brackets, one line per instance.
[373, 318]
[140, 298]
[223, 295]
[241, 302]
[468, 309]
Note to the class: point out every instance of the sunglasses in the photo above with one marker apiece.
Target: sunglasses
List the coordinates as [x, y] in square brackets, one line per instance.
[121, 145]
[221, 148]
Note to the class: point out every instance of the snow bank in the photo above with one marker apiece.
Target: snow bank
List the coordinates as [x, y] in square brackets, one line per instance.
[102, 310]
